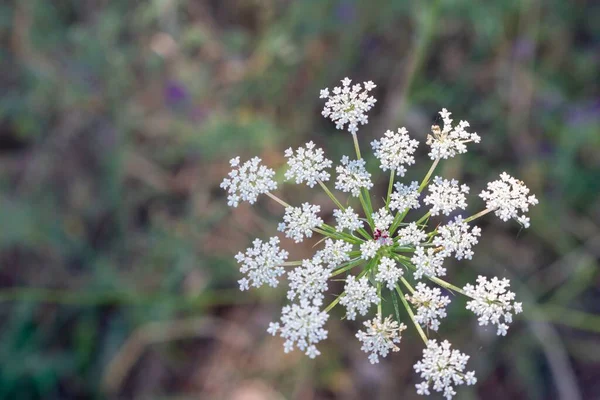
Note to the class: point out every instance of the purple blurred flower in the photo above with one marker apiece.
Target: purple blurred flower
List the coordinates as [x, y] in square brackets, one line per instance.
[583, 113]
[346, 11]
[175, 93]
[523, 48]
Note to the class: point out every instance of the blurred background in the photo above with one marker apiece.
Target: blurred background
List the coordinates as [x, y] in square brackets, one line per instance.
[117, 121]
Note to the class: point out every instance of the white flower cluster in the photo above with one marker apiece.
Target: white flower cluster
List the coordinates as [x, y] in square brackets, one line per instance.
[507, 197]
[369, 249]
[335, 253]
[405, 197]
[382, 219]
[443, 367]
[372, 246]
[394, 150]
[307, 165]
[411, 235]
[428, 262]
[309, 281]
[262, 263]
[247, 181]
[302, 326]
[492, 302]
[455, 237]
[431, 305]
[449, 141]
[298, 222]
[360, 294]
[347, 219]
[388, 272]
[446, 196]
[348, 104]
[352, 176]
[380, 337]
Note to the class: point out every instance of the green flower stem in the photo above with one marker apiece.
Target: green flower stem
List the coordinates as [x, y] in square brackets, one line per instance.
[424, 217]
[331, 196]
[479, 214]
[356, 146]
[390, 188]
[447, 285]
[428, 176]
[408, 286]
[338, 235]
[291, 263]
[277, 199]
[411, 314]
[346, 268]
[330, 231]
[334, 303]
[379, 306]
[397, 221]
[366, 209]
[438, 281]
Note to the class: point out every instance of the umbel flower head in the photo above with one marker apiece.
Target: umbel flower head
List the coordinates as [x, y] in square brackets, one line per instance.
[307, 165]
[247, 181]
[442, 368]
[387, 249]
[379, 337]
[507, 197]
[348, 105]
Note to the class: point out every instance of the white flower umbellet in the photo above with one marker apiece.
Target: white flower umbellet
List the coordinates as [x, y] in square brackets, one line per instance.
[360, 295]
[388, 272]
[298, 222]
[455, 237]
[395, 150]
[308, 281]
[262, 263]
[411, 235]
[507, 197]
[449, 141]
[302, 326]
[307, 165]
[352, 176]
[347, 219]
[446, 196]
[335, 253]
[405, 197]
[369, 249]
[428, 262]
[379, 337]
[430, 304]
[442, 368]
[247, 181]
[369, 241]
[348, 105]
[492, 302]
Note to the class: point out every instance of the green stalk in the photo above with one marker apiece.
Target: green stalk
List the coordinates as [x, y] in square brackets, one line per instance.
[277, 199]
[331, 196]
[366, 209]
[291, 263]
[346, 268]
[408, 286]
[379, 306]
[424, 217]
[397, 221]
[390, 188]
[428, 176]
[356, 146]
[411, 315]
[479, 214]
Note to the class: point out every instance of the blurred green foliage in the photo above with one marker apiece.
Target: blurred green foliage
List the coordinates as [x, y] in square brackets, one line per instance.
[116, 123]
